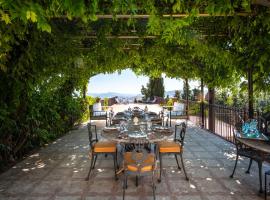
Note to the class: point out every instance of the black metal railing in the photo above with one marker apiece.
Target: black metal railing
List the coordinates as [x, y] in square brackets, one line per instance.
[224, 120]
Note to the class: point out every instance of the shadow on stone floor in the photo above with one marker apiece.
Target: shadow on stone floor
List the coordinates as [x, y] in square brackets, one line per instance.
[57, 172]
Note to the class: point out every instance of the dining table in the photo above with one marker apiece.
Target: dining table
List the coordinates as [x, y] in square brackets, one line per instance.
[136, 126]
[260, 146]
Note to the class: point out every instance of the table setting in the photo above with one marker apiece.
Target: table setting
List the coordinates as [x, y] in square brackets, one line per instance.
[131, 127]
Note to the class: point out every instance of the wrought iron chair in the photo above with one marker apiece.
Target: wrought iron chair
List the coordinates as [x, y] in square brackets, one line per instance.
[174, 147]
[139, 162]
[175, 112]
[100, 114]
[100, 147]
[156, 119]
[245, 151]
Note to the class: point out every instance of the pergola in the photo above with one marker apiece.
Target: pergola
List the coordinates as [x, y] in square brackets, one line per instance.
[52, 48]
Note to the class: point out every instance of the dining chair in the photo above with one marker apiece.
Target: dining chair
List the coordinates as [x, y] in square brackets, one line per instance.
[156, 119]
[177, 111]
[175, 147]
[100, 147]
[139, 162]
[98, 113]
[248, 152]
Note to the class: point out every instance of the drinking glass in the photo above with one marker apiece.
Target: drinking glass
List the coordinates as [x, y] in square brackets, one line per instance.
[143, 128]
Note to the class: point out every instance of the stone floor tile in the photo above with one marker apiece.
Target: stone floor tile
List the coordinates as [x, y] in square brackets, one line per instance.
[8, 197]
[48, 187]
[58, 171]
[188, 197]
[212, 162]
[21, 187]
[200, 173]
[221, 197]
[37, 198]
[59, 174]
[68, 198]
[126, 197]
[101, 186]
[73, 187]
[237, 186]
[182, 187]
[209, 185]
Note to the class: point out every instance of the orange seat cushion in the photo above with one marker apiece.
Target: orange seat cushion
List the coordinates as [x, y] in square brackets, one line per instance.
[148, 163]
[169, 147]
[106, 147]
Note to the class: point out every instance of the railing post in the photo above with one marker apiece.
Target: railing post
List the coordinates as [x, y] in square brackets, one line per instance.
[187, 99]
[211, 100]
[250, 94]
[202, 104]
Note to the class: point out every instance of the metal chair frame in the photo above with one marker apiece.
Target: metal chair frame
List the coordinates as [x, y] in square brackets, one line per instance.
[179, 138]
[94, 155]
[242, 150]
[170, 116]
[267, 173]
[99, 115]
[139, 163]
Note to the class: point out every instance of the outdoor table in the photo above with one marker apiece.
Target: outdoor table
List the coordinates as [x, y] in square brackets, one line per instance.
[262, 149]
[157, 134]
[128, 114]
[261, 145]
[123, 133]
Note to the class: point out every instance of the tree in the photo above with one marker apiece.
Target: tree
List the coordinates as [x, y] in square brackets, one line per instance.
[195, 94]
[184, 94]
[177, 94]
[145, 93]
[155, 87]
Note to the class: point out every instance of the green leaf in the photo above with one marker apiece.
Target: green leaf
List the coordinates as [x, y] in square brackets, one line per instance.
[5, 17]
[44, 27]
[31, 15]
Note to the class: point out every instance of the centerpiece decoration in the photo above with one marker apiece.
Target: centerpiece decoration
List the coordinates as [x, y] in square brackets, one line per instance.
[135, 120]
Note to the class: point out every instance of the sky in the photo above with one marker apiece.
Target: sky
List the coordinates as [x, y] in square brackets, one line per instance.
[128, 83]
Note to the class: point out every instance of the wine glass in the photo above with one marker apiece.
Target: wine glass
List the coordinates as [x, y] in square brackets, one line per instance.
[143, 128]
[149, 125]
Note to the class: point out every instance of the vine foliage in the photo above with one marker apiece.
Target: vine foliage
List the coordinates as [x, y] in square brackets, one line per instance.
[50, 49]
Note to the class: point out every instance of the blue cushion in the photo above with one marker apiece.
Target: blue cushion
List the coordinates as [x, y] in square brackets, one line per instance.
[250, 129]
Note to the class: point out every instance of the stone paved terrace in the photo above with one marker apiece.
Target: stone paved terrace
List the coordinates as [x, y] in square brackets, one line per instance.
[57, 172]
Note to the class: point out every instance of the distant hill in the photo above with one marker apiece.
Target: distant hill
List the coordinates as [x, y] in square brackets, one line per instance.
[170, 93]
[113, 94]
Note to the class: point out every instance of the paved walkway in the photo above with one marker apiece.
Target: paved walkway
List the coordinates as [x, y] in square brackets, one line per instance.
[57, 172]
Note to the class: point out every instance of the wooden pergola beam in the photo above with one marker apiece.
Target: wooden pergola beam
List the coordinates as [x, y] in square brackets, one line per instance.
[122, 37]
[261, 2]
[142, 16]
[126, 37]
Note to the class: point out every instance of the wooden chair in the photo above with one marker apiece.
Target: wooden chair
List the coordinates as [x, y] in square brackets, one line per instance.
[97, 147]
[139, 162]
[173, 147]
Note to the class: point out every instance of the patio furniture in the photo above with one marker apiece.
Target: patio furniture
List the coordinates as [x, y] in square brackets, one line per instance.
[254, 149]
[267, 173]
[97, 112]
[156, 121]
[264, 124]
[97, 147]
[139, 163]
[154, 118]
[173, 147]
[133, 134]
[177, 111]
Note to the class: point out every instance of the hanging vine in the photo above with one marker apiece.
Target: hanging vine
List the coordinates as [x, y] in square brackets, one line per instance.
[49, 50]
